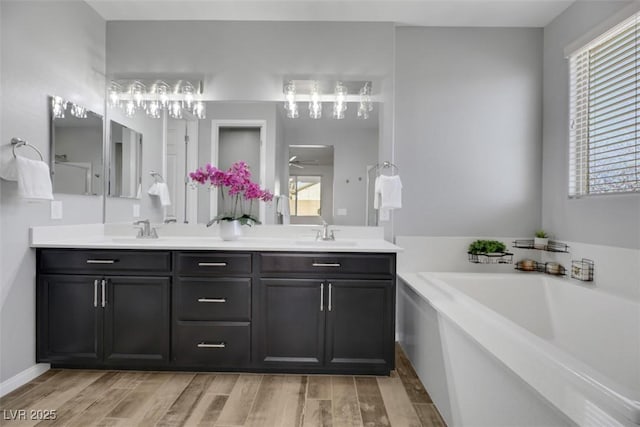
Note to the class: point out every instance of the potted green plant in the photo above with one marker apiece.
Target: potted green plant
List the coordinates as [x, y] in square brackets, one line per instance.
[541, 240]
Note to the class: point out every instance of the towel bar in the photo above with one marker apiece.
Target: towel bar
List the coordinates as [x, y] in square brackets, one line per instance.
[19, 142]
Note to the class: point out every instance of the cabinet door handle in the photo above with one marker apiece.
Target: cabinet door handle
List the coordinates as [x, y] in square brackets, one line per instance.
[321, 296]
[101, 261]
[220, 300]
[214, 345]
[325, 264]
[212, 264]
[330, 296]
[104, 293]
[95, 293]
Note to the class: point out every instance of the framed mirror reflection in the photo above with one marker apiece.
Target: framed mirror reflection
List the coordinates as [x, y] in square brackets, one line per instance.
[76, 148]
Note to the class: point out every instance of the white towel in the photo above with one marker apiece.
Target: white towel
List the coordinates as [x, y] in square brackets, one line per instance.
[282, 208]
[160, 189]
[390, 192]
[34, 179]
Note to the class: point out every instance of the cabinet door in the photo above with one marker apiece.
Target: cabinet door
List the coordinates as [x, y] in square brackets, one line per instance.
[136, 330]
[69, 320]
[360, 324]
[289, 324]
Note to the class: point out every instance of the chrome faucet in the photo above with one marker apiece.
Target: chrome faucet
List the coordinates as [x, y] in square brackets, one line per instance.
[325, 233]
[146, 232]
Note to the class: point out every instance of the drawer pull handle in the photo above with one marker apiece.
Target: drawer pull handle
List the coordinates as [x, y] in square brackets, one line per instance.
[101, 261]
[321, 296]
[216, 345]
[212, 264]
[220, 300]
[326, 264]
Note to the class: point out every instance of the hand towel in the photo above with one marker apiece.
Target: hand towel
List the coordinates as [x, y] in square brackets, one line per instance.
[34, 179]
[390, 192]
[160, 189]
[282, 208]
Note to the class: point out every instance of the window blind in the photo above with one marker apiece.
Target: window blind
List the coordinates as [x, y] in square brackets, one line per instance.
[604, 110]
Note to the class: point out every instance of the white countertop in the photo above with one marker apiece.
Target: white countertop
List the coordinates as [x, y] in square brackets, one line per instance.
[197, 237]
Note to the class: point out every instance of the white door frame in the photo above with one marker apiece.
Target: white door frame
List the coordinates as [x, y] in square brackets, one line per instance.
[215, 145]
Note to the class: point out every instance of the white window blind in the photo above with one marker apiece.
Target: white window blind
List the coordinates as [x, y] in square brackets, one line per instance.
[604, 113]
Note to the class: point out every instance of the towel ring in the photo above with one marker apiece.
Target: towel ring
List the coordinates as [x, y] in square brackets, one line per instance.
[19, 142]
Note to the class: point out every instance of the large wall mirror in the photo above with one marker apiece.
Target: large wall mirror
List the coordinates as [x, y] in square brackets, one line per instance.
[76, 147]
[295, 158]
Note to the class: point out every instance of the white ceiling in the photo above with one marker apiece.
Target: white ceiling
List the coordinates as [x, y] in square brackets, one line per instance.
[444, 13]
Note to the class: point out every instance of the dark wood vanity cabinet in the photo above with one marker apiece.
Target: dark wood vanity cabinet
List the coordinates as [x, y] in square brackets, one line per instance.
[213, 310]
[326, 312]
[107, 318]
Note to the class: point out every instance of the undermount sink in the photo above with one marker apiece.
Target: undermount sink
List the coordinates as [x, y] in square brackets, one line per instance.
[326, 243]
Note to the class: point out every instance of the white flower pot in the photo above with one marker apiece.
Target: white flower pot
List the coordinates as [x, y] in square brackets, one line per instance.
[540, 242]
[230, 230]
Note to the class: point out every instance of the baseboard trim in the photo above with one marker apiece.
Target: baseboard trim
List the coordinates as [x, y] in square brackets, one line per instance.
[23, 377]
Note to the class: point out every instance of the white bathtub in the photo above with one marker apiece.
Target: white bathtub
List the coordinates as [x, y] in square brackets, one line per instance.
[572, 351]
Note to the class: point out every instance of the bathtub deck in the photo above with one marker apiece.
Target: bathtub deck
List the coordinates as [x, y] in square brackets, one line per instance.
[129, 398]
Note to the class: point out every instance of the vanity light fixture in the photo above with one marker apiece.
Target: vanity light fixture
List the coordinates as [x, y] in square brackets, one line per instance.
[315, 106]
[340, 93]
[59, 107]
[152, 97]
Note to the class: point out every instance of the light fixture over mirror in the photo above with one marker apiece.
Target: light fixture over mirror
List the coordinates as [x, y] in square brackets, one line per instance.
[315, 92]
[151, 97]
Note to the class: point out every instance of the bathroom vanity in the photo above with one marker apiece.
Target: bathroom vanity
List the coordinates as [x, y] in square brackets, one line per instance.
[256, 306]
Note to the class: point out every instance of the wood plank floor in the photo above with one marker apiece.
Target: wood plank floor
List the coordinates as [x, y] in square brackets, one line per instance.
[131, 399]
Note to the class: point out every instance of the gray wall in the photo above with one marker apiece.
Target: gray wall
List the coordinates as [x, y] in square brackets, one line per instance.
[47, 48]
[468, 131]
[607, 220]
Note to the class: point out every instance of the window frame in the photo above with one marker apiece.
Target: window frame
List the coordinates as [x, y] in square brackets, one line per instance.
[583, 103]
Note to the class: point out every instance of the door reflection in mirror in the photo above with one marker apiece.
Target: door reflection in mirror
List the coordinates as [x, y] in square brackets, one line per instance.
[125, 174]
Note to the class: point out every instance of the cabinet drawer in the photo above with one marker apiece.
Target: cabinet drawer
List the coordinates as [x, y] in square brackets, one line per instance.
[212, 263]
[213, 299]
[103, 261]
[323, 264]
[221, 345]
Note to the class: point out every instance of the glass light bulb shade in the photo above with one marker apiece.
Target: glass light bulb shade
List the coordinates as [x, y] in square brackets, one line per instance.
[315, 110]
[153, 109]
[175, 111]
[130, 108]
[162, 93]
[199, 110]
[187, 93]
[78, 111]
[292, 110]
[363, 112]
[338, 111]
[58, 106]
[137, 93]
[114, 97]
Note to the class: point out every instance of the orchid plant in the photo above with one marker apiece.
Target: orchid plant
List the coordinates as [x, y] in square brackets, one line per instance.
[237, 189]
